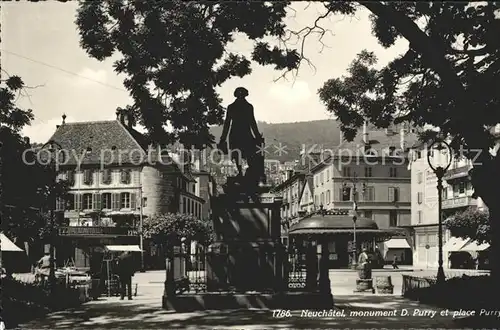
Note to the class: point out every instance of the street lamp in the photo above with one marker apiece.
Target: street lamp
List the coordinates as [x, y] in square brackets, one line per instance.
[439, 167]
[55, 149]
[354, 181]
[354, 263]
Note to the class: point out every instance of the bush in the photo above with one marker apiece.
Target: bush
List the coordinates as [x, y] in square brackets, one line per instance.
[466, 292]
[24, 301]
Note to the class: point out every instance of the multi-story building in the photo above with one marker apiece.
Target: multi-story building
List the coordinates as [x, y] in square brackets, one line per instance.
[377, 185]
[456, 196]
[115, 178]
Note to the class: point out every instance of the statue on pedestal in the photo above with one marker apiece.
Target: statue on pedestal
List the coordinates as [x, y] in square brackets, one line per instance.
[245, 140]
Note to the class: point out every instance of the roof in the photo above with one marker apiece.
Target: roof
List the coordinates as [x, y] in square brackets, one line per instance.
[95, 142]
[310, 184]
[327, 221]
[379, 142]
[106, 143]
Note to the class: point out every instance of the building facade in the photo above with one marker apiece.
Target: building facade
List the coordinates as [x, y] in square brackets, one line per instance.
[116, 179]
[457, 196]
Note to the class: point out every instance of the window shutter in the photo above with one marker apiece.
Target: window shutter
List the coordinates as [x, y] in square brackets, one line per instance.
[71, 177]
[133, 201]
[115, 201]
[391, 194]
[78, 202]
[97, 201]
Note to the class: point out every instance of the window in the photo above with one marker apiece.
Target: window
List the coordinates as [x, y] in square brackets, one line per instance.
[420, 177]
[393, 172]
[393, 218]
[192, 207]
[87, 201]
[369, 194]
[419, 198]
[106, 201]
[461, 187]
[70, 202]
[106, 176]
[346, 171]
[345, 194]
[316, 200]
[60, 204]
[322, 198]
[78, 202]
[368, 172]
[327, 175]
[125, 176]
[328, 197]
[184, 205]
[393, 194]
[322, 178]
[125, 200]
[445, 193]
[87, 177]
[418, 154]
[369, 214]
[419, 217]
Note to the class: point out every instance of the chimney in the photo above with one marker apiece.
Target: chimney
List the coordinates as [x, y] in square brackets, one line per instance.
[120, 115]
[366, 137]
[63, 119]
[129, 120]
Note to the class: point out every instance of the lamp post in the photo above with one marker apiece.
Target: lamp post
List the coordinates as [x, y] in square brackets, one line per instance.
[55, 149]
[439, 169]
[354, 263]
[354, 181]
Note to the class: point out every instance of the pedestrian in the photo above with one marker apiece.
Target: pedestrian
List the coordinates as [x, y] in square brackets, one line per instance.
[395, 263]
[125, 271]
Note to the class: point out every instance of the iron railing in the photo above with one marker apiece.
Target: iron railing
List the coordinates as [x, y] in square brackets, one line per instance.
[413, 284]
[97, 231]
[209, 272]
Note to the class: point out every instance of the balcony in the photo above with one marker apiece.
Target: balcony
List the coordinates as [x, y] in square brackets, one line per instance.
[457, 173]
[97, 231]
[459, 202]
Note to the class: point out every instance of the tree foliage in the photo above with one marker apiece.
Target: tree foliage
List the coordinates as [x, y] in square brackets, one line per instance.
[471, 223]
[25, 189]
[168, 229]
[175, 54]
[448, 78]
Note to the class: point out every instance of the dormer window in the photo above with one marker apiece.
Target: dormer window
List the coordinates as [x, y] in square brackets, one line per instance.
[125, 176]
[87, 177]
[89, 150]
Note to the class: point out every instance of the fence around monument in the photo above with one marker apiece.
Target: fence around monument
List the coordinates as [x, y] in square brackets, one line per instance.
[193, 274]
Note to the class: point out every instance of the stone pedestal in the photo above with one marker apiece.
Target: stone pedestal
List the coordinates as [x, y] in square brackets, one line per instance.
[248, 255]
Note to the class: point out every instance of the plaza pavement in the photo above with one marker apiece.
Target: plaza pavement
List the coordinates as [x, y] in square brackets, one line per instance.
[145, 312]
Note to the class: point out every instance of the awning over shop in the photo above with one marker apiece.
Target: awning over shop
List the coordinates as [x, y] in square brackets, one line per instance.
[454, 244]
[473, 246]
[8, 245]
[123, 248]
[397, 243]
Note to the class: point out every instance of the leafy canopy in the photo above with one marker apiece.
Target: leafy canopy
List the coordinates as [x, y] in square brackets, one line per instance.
[170, 228]
[470, 224]
[26, 189]
[175, 54]
[448, 78]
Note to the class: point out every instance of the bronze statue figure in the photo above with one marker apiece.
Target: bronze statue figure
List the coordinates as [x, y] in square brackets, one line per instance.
[245, 140]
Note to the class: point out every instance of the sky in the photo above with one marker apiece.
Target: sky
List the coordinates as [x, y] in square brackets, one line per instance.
[40, 43]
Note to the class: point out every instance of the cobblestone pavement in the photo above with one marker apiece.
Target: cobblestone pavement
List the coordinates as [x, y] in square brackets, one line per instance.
[145, 312]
